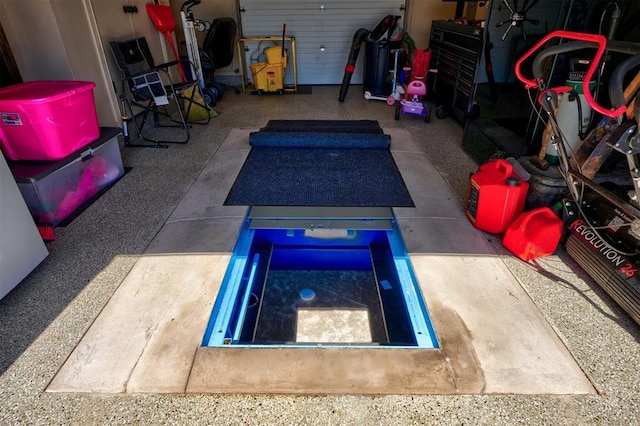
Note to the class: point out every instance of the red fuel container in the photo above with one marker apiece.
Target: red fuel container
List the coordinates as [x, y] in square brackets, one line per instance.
[496, 196]
[534, 234]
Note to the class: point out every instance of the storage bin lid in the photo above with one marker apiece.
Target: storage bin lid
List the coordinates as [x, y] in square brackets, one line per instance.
[25, 171]
[35, 92]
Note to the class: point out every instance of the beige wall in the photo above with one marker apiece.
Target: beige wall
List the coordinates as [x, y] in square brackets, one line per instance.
[57, 40]
[66, 39]
[420, 13]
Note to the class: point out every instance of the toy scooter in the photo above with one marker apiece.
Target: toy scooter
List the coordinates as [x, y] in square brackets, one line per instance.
[414, 105]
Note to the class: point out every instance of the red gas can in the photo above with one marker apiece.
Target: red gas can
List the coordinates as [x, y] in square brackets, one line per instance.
[496, 196]
[534, 234]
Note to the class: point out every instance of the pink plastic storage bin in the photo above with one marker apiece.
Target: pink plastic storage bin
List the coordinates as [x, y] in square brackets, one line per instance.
[47, 120]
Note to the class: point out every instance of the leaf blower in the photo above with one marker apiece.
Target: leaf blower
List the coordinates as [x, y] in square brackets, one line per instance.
[358, 38]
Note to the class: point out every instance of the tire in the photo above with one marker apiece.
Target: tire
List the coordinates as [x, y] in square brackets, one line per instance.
[441, 112]
[397, 114]
[427, 115]
[219, 90]
[210, 97]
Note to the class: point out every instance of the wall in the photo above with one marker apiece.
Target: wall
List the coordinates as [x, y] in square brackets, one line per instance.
[57, 40]
[37, 44]
[420, 13]
[85, 55]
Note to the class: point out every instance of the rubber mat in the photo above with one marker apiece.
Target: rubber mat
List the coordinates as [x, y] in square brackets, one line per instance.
[316, 168]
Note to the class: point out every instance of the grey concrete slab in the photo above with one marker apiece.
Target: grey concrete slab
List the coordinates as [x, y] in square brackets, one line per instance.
[431, 194]
[205, 198]
[443, 235]
[236, 140]
[401, 140]
[517, 351]
[321, 371]
[198, 235]
[146, 337]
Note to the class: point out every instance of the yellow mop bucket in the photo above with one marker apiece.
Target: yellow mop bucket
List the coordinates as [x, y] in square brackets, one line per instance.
[269, 76]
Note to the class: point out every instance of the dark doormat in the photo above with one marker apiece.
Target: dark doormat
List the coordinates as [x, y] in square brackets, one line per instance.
[341, 177]
[314, 175]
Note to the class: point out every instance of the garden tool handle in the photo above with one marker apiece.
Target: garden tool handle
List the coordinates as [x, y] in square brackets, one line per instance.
[601, 43]
[505, 168]
[284, 31]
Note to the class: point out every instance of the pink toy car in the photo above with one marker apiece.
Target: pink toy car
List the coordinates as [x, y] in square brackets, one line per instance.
[413, 104]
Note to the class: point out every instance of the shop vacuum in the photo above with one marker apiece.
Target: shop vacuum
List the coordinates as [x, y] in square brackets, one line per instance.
[602, 220]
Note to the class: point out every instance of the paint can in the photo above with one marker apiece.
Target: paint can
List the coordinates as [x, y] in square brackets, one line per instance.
[496, 196]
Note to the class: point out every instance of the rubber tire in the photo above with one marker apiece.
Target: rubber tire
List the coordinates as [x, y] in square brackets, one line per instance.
[210, 97]
[427, 115]
[219, 89]
[397, 114]
[441, 112]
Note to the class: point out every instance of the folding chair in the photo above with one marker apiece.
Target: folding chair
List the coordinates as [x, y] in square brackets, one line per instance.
[218, 49]
[150, 87]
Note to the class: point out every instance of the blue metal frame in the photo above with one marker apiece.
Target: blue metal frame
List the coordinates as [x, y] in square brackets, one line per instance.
[228, 314]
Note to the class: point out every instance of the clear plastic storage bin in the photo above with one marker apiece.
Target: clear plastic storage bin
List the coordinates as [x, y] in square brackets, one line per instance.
[54, 191]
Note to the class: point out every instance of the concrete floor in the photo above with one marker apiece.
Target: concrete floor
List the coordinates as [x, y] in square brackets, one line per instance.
[46, 317]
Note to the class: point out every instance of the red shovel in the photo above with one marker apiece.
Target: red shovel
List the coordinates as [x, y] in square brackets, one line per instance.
[162, 18]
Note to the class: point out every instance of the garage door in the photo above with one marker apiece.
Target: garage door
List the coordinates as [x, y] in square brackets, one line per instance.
[323, 31]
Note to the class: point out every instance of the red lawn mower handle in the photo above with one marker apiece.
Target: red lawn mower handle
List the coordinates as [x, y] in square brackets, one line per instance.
[601, 43]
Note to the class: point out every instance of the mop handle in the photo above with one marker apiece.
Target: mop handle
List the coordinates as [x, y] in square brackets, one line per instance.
[601, 42]
[284, 31]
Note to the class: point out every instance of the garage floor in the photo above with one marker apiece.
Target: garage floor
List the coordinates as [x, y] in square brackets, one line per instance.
[107, 328]
[148, 336]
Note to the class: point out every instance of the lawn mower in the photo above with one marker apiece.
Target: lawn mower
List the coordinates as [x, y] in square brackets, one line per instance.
[602, 220]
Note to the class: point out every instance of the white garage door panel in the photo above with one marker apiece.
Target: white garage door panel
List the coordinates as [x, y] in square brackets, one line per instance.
[323, 36]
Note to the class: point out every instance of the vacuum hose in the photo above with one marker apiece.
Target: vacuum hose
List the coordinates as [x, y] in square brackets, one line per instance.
[358, 38]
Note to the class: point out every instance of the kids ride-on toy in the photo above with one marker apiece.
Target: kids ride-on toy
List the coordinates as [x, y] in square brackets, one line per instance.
[413, 103]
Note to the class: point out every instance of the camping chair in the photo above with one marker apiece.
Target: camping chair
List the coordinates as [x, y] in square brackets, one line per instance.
[150, 87]
[217, 50]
